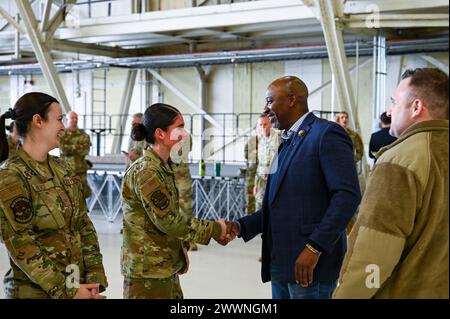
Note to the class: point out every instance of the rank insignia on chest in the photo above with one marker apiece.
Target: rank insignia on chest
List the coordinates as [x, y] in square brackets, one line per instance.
[71, 180]
[29, 174]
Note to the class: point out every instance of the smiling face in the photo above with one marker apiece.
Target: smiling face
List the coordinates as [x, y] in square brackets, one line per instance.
[51, 126]
[175, 134]
[277, 107]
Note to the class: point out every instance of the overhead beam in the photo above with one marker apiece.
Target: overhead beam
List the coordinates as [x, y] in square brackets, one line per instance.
[192, 18]
[396, 21]
[11, 20]
[57, 19]
[355, 7]
[440, 65]
[91, 49]
[124, 109]
[185, 99]
[399, 24]
[42, 53]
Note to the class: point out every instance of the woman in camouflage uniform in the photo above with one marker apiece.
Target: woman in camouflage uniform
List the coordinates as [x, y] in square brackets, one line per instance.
[358, 148]
[155, 231]
[51, 242]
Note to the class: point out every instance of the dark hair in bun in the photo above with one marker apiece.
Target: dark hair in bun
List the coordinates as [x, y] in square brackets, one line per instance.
[158, 115]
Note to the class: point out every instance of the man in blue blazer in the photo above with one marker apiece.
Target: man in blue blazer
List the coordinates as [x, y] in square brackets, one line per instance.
[311, 195]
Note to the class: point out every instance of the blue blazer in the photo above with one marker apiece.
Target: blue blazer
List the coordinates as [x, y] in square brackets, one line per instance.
[316, 195]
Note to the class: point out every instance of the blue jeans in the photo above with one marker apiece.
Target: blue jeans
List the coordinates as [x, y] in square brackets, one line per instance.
[316, 290]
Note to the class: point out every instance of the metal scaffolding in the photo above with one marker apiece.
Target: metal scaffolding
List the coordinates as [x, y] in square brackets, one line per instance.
[213, 197]
[219, 197]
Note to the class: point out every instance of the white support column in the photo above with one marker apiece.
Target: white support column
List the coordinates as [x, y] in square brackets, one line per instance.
[184, 98]
[338, 63]
[379, 93]
[203, 100]
[17, 54]
[440, 65]
[124, 109]
[338, 60]
[42, 53]
[147, 88]
[156, 90]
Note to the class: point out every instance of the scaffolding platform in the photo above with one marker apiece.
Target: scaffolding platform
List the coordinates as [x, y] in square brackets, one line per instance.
[213, 197]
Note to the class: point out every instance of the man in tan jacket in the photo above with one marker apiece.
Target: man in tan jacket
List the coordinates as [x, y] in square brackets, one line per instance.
[400, 243]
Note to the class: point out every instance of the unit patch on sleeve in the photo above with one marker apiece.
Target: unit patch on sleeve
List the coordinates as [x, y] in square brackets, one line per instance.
[22, 210]
[160, 200]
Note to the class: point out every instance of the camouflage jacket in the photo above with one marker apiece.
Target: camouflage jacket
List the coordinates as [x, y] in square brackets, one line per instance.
[183, 182]
[12, 146]
[358, 146]
[267, 149]
[45, 228]
[251, 151]
[137, 146]
[154, 228]
[74, 147]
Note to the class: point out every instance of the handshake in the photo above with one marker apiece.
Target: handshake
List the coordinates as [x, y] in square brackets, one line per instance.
[229, 231]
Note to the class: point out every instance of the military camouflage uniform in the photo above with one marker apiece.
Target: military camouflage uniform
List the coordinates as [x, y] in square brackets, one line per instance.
[12, 146]
[155, 230]
[251, 155]
[74, 147]
[45, 228]
[183, 181]
[267, 149]
[358, 146]
[358, 149]
[137, 146]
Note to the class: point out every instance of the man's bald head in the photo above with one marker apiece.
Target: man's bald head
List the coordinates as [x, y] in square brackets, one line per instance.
[286, 101]
[72, 121]
[293, 86]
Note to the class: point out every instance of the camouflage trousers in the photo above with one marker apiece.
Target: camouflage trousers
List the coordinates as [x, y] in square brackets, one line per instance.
[249, 184]
[152, 288]
[260, 182]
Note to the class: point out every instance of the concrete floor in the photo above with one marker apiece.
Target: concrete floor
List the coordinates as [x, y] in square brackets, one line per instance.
[215, 272]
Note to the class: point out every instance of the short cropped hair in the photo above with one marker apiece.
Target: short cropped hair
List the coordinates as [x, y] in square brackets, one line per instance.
[430, 85]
